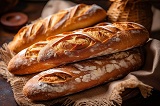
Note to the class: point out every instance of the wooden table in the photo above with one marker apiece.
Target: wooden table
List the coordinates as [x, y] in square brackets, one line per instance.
[33, 10]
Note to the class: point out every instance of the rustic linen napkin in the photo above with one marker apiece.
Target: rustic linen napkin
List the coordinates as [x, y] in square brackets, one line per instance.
[145, 79]
[53, 6]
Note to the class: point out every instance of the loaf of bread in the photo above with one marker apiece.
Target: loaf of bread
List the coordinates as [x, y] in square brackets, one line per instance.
[102, 39]
[78, 76]
[76, 17]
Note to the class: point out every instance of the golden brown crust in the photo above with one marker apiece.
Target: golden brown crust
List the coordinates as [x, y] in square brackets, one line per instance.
[78, 45]
[95, 41]
[82, 75]
[76, 17]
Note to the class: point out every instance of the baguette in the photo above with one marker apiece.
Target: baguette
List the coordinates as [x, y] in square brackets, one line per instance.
[76, 17]
[75, 77]
[102, 39]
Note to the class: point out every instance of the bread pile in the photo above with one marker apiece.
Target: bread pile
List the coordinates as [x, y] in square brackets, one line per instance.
[75, 49]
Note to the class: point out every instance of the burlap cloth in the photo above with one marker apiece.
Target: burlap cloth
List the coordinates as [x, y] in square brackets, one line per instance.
[147, 78]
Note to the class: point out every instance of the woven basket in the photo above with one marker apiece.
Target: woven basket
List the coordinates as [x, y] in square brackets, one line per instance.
[138, 11]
